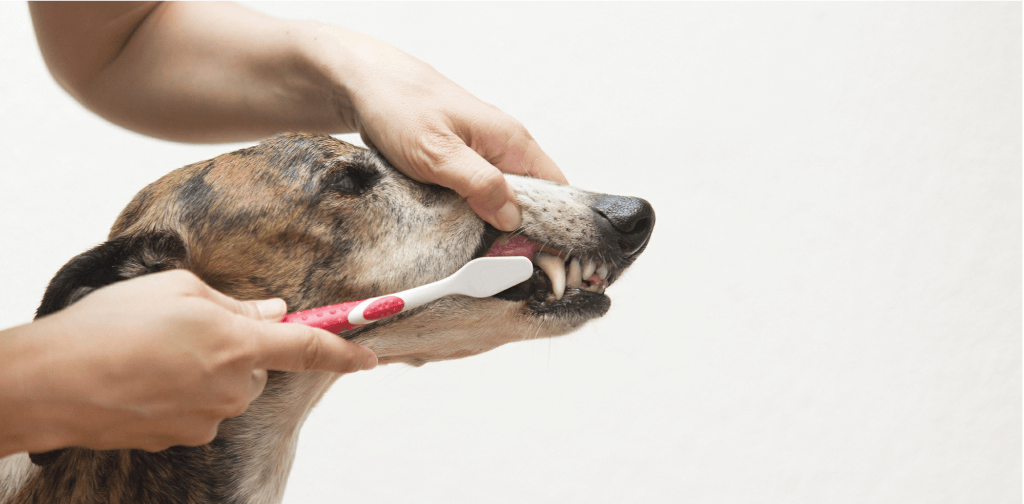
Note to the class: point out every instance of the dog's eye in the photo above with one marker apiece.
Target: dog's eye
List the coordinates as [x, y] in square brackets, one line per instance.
[353, 180]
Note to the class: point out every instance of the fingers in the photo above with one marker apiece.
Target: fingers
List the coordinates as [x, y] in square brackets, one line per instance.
[269, 309]
[284, 347]
[265, 309]
[512, 149]
[538, 165]
[295, 347]
[477, 154]
[483, 186]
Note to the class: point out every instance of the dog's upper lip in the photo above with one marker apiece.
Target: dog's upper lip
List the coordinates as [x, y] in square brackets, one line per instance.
[487, 239]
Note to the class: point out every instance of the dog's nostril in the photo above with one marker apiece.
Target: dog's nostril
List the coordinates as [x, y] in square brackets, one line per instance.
[641, 226]
[632, 220]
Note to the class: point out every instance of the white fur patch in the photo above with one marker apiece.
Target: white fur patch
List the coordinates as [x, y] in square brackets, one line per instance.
[14, 471]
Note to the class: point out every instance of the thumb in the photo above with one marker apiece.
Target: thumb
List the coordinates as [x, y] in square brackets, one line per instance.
[264, 309]
[295, 347]
[483, 186]
[269, 309]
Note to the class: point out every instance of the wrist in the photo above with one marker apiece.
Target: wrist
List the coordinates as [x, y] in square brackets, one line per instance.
[355, 68]
[30, 420]
[331, 59]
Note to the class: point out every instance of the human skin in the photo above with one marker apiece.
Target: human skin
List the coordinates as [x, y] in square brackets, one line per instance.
[216, 72]
[149, 363]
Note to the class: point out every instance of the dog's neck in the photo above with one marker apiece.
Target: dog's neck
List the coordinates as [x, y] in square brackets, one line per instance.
[248, 463]
[264, 439]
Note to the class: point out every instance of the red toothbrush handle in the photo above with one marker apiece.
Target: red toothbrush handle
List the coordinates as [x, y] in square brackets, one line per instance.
[333, 318]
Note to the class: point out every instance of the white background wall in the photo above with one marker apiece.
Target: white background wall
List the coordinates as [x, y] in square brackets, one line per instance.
[830, 307]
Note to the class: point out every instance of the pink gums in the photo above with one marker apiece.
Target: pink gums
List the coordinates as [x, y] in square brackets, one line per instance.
[513, 246]
[518, 246]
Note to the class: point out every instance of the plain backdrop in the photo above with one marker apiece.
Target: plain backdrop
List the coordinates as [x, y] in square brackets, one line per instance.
[829, 310]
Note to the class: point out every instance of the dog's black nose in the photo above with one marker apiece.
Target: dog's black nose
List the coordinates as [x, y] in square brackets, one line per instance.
[631, 220]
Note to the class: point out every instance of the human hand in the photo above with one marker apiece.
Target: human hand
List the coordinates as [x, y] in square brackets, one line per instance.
[252, 76]
[435, 131]
[161, 360]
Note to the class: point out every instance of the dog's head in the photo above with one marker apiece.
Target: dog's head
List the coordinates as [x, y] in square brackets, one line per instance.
[317, 221]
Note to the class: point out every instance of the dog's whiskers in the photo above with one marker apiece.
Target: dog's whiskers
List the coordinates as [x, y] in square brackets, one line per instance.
[342, 252]
[535, 334]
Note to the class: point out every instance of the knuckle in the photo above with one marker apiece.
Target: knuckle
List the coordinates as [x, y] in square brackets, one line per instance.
[486, 182]
[247, 309]
[432, 153]
[518, 129]
[245, 354]
[314, 353]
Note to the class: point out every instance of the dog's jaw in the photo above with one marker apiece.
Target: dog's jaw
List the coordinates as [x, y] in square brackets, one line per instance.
[282, 229]
[560, 221]
[456, 326]
[273, 221]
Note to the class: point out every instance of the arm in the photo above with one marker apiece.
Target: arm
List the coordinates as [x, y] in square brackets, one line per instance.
[195, 71]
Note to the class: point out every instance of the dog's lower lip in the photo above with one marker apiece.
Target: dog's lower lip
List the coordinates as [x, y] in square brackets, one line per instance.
[538, 290]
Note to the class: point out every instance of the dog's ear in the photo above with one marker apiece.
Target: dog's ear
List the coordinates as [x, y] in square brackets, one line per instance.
[116, 260]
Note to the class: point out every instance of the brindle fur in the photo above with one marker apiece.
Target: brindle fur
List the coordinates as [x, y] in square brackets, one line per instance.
[315, 221]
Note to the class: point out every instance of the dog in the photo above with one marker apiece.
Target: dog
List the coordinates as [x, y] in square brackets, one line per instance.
[317, 221]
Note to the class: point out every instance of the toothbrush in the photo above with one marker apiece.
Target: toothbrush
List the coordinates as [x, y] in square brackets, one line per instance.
[481, 277]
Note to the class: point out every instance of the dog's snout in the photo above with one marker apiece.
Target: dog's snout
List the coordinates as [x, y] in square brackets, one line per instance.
[631, 220]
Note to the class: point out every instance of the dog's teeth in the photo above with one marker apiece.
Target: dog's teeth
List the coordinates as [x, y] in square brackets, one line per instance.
[555, 269]
[574, 278]
[589, 267]
[602, 271]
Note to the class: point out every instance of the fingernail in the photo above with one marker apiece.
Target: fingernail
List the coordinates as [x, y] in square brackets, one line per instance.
[509, 217]
[271, 309]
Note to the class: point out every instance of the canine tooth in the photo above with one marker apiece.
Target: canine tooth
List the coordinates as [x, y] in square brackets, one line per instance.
[574, 278]
[602, 271]
[589, 267]
[555, 269]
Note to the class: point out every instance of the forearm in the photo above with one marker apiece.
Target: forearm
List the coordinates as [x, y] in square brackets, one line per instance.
[27, 419]
[201, 72]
